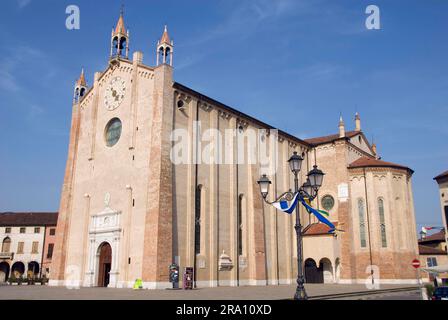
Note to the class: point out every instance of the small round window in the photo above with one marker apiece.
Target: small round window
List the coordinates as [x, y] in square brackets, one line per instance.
[113, 132]
[328, 202]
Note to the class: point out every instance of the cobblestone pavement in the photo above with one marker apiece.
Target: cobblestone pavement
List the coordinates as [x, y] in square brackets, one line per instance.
[221, 293]
[407, 295]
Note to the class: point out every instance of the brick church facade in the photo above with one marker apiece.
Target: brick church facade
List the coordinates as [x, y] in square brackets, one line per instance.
[128, 210]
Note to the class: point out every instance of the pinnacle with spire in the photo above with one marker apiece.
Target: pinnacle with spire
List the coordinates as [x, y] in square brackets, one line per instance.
[80, 87]
[341, 127]
[81, 80]
[165, 49]
[120, 28]
[357, 122]
[120, 39]
[165, 37]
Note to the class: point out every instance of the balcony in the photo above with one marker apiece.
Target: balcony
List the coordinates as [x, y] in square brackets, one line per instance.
[6, 255]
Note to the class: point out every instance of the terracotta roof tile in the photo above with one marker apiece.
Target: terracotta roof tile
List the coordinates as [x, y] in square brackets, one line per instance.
[442, 175]
[317, 229]
[429, 250]
[331, 138]
[364, 162]
[439, 236]
[28, 218]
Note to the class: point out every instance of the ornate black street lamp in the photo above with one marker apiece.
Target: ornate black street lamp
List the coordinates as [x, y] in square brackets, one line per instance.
[264, 183]
[308, 190]
[316, 177]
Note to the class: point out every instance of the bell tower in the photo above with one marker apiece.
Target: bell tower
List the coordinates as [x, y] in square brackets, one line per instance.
[80, 88]
[119, 41]
[165, 49]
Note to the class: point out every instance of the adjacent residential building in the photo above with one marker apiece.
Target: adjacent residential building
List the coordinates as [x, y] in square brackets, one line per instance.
[442, 181]
[49, 242]
[25, 238]
[433, 253]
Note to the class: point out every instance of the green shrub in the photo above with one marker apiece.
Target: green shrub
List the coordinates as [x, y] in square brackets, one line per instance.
[429, 289]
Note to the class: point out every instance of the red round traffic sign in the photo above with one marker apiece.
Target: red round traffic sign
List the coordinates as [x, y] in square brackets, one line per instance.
[416, 263]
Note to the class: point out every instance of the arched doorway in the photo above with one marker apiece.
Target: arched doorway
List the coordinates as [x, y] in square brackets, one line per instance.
[105, 263]
[33, 269]
[313, 274]
[327, 270]
[4, 271]
[18, 269]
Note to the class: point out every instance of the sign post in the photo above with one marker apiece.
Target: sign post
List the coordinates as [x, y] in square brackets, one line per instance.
[416, 264]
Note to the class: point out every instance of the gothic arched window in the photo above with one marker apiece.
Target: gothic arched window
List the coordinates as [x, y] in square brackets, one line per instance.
[362, 223]
[382, 223]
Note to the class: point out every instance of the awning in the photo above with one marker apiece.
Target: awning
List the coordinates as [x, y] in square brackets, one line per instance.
[438, 269]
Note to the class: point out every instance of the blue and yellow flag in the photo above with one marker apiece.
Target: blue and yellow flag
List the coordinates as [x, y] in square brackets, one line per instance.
[318, 215]
[285, 206]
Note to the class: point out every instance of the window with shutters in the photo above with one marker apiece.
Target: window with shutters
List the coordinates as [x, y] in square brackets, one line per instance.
[20, 246]
[35, 247]
[50, 250]
[431, 262]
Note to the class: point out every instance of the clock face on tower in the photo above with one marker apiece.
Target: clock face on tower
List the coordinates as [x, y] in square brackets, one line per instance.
[114, 93]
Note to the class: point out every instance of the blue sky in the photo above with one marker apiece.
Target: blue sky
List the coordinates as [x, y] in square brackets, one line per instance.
[271, 59]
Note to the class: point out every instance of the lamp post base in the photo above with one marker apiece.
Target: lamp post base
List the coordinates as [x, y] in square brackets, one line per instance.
[300, 294]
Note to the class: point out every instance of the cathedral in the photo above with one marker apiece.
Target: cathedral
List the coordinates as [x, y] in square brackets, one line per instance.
[133, 202]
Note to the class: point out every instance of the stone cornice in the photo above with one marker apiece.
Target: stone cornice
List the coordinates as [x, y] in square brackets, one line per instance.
[360, 171]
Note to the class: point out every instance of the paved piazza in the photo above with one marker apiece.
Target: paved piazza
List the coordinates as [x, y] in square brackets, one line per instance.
[315, 291]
